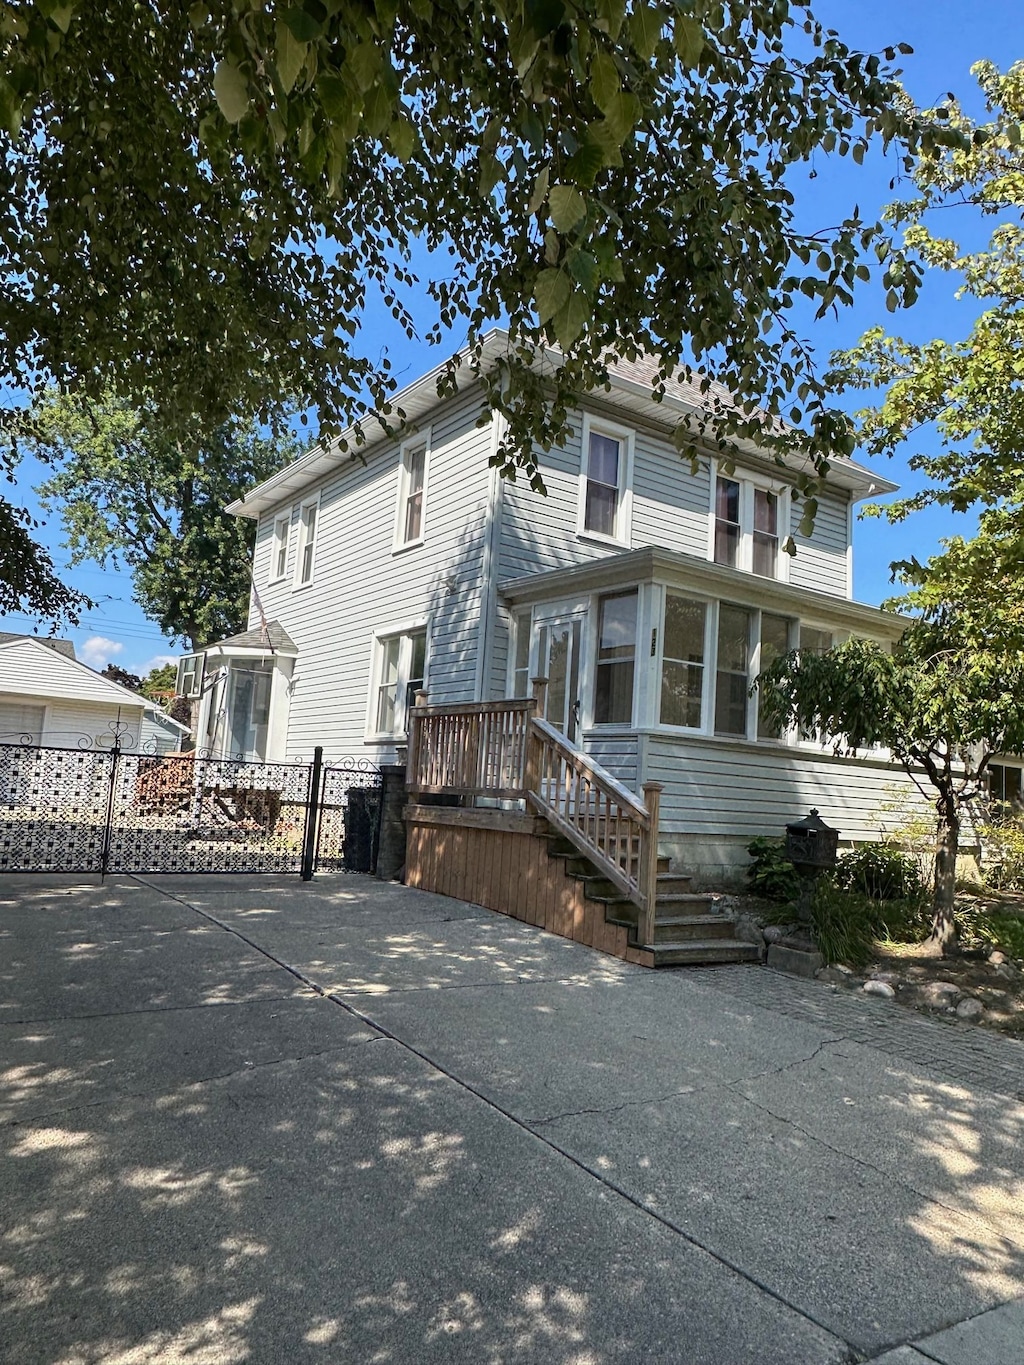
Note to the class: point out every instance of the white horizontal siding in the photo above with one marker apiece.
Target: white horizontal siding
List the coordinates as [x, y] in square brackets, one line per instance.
[671, 504]
[616, 753]
[718, 788]
[360, 586]
[69, 723]
[820, 559]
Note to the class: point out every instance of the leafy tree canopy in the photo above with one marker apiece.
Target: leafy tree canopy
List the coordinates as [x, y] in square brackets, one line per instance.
[961, 401]
[129, 493]
[121, 675]
[940, 704]
[197, 203]
[158, 682]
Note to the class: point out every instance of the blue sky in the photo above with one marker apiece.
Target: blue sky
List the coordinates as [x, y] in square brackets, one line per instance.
[947, 39]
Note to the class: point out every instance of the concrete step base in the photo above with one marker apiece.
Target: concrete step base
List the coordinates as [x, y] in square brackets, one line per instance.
[700, 952]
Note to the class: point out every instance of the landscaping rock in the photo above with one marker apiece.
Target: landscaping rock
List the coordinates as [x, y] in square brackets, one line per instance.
[935, 995]
[879, 988]
[834, 976]
[748, 930]
[771, 933]
[1006, 970]
[970, 1009]
[798, 961]
[997, 958]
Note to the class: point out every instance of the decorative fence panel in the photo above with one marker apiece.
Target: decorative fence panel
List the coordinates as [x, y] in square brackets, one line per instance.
[107, 810]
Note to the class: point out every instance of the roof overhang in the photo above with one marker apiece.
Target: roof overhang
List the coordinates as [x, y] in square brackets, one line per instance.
[229, 651]
[713, 580]
[417, 400]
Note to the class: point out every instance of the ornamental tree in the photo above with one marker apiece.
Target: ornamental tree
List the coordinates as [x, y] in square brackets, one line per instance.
[129, 493]
[199, 203]
[939, 702]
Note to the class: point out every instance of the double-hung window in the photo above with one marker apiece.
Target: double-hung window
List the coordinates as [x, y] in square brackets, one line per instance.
[682, 664]
[412, 484]
[309, 516]
[604, 485]
[400, 674]
[616, 659]
[747, 521]
[279, 548]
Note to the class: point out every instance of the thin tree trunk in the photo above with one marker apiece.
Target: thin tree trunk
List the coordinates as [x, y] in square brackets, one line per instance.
[944, 929]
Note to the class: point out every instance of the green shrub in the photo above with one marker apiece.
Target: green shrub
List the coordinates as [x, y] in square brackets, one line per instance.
[771, 874]
[1002, 851]
[881, 871]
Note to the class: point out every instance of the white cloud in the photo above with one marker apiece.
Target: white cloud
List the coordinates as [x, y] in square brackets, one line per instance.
[157, 661]
[98, 651]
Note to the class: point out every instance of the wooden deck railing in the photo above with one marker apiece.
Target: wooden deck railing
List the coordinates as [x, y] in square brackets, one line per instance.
[470, 749]
[506, 750]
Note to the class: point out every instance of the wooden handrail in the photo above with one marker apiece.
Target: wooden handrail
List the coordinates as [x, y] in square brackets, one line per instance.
[505, 750]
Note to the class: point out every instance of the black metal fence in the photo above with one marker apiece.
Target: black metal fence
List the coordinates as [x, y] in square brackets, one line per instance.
[105, 809]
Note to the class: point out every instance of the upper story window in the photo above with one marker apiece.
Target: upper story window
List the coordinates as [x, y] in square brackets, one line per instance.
[747, 521]
[400, 674]
[605, 493]
[616, 659]
[412, 484]
[279, 549]
[309, 516]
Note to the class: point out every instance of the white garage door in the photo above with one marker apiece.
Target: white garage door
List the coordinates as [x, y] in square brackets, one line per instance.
[21, 724]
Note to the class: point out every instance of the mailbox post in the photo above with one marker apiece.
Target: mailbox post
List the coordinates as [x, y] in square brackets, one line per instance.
[811, 847]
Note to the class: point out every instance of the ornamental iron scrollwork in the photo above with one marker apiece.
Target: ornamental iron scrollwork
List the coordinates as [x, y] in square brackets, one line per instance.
[108, 806]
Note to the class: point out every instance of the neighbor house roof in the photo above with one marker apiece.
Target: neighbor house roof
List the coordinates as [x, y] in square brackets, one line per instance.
[631, 382]
[64, 647]
[29, 667]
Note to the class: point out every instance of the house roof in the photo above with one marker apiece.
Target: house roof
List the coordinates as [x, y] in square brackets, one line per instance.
[30, 668]
[631, 391]
[688, 572]
[274, 638]
[64, 647]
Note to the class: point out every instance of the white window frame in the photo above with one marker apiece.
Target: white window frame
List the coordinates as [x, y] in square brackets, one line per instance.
[421, 441]
[305, 540]
[198, 675]
[710, 657]
[403, 631]
[624, 503]
[748, 482]
[280, 542]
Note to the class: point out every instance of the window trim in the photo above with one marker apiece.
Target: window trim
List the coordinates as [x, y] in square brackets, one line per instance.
[626, 437]
[749, 480]
[422, 439]
[627, 590]
[403, 631]
[305, 539]
[710, 654]
[279, 542]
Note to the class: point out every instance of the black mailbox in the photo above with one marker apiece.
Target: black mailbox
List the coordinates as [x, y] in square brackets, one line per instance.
[811, 844]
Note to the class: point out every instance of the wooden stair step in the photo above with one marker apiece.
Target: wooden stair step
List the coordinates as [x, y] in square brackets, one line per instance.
[686, 928]
[696, 952]
[673, 884]
[685, 903]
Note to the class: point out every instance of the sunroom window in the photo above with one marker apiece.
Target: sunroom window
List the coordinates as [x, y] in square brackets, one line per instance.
[616, 659]
[774, 643]
[682, 668]
[732, 676]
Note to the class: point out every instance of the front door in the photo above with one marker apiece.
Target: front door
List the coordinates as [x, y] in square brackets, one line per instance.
[559, 661]
[249, 710]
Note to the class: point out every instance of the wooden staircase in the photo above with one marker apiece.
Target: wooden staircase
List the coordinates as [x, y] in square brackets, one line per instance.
[688, 929]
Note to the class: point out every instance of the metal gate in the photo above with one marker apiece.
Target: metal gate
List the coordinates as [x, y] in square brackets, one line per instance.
[109, 810]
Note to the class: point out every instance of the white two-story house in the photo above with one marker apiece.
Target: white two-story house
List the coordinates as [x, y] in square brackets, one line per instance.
[649, 595]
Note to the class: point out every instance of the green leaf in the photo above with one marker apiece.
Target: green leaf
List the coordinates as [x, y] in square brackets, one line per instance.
[232, 91]
[604, 80]
[304, 28]
[402, 136]
[10, 108]
[291, 56]
[550, 292]
[570, 321]
[364, 62]
[622, 114]
[582, 266]
[543, 16]
[61, 15]
[688, 36]
[645, 27]
[492, 172]
[540, 190]
[568, 207]
[585, 164]
[335, 97]
[377, 111]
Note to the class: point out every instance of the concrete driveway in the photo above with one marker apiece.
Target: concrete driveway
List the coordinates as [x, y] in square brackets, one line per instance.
[246, 1119]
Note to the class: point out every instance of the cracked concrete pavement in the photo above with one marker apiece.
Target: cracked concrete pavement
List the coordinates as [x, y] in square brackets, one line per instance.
[247, 1119]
